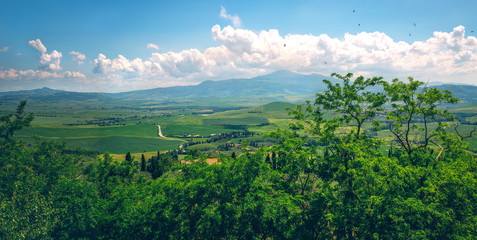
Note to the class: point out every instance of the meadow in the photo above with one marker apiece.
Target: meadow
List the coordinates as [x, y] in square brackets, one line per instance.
[134, 129]
[131, 126]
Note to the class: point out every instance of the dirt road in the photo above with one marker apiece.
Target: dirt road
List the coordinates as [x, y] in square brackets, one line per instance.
[159, 133]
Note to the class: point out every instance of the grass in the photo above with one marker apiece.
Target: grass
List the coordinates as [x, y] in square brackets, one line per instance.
[121, 144]
[139, 130]
[180, 119]
[245, 121]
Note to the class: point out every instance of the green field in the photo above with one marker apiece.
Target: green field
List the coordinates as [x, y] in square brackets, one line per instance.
[137, 130]
[74, 123]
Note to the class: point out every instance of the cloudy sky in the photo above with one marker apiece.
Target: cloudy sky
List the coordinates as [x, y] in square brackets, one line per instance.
[113, 46]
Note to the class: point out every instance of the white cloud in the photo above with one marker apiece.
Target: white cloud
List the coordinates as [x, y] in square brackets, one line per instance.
[445, 57]
[78, 57]
[235, 19]
[437, 58]
[5, 49]
[51, 61]
[153, 46]
[13, 74]
[37, 45]
[102, 64]
[47, 61]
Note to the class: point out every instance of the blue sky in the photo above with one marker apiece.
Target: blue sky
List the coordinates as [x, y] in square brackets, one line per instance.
[103, 45]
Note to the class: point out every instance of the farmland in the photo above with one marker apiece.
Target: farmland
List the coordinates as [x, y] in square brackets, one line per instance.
[127, 127]
[137, 128]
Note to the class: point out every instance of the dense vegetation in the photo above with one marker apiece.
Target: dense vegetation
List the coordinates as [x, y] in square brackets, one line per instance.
[326, 178]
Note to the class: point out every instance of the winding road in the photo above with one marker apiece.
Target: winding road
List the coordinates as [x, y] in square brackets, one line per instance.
[159, 133]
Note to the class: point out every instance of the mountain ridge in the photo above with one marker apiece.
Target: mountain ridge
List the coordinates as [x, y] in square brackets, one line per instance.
[276, 85]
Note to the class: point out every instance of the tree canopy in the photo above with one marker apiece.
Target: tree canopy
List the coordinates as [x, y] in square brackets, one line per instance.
[367, 159]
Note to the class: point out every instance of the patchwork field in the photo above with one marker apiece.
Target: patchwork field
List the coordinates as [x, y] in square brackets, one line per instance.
[132, 126]
[121, 129]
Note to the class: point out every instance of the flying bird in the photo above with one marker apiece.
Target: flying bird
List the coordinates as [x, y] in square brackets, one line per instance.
[325, 62]
[409, 34]
[359, 24]
[353, 11]
[285, 45]
[414, 24]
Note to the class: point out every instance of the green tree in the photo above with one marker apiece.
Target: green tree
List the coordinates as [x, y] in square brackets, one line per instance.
[12, 122]
[143, 163]
[352, 103]
[128, 157]
[413, 108]
[348, 187]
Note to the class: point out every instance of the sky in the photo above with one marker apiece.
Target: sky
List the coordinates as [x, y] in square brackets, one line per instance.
[117, 46]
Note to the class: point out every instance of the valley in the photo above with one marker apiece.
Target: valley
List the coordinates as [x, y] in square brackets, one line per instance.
[131, 163]
[128, 122]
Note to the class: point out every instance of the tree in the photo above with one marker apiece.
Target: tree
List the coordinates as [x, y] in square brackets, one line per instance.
[354, 103]
[128, 157]
[12, 122]
[143, 163]
[414, 107]
[359, 192]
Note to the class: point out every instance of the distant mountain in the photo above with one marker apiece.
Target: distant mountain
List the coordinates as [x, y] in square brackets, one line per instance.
[466, 93]
[48, 95]
[40, 91]
[277, 83]
[275, 86]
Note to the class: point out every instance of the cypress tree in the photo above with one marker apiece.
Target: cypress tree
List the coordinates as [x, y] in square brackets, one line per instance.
[143, 163]
[274, 161]
[128, 157]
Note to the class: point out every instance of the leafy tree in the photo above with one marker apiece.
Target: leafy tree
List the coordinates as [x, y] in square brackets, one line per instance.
[12, 122]
[128, 157]
[414, 107]
[354, 103]
[358, 192]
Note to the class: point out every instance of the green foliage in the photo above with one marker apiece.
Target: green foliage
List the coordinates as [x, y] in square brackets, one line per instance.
[143, 163]
[411, 102]
[325, 178]
[363, 194]
[12, 122]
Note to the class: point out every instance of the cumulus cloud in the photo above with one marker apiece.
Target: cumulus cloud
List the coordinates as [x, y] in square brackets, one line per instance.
[438, 57]
[78, 57]
[102, 64]
[235, 19]
[153, 46]
[5, 49]
[37, 45]
[47, 61]
[13, 74]
[245, 53]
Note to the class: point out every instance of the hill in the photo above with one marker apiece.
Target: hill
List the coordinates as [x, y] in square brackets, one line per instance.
[466, 93]
[280, 83]
[49, 95]
[277, 86]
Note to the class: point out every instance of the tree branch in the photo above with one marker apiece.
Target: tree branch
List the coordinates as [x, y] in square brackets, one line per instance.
[464, 137]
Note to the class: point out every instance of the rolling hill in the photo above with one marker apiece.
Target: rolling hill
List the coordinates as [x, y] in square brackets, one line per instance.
[274, 86]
